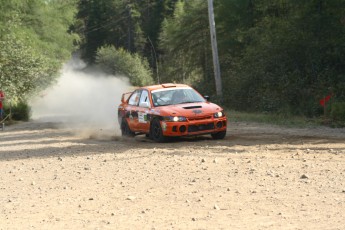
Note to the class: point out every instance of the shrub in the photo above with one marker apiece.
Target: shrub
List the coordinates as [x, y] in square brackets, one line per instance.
[338, 111]
[20, 111]
[121, 62]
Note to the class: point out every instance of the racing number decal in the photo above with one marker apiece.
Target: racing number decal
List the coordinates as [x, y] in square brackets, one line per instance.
[142, 117]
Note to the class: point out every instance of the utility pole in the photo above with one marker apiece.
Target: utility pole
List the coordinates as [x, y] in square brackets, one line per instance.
[216, 67]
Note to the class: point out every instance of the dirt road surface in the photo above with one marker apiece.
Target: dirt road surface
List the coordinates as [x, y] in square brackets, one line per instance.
[259, 177]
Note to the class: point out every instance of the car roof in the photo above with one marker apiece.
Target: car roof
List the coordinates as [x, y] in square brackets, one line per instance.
[165, 86]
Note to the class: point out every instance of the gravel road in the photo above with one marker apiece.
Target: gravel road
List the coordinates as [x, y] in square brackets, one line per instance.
[258, 177]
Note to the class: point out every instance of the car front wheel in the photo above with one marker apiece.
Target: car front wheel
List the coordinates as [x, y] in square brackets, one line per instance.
[219, 135]
[156, 132]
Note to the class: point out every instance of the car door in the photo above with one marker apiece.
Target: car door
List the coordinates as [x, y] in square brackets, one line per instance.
[143, 124]
[132, 110]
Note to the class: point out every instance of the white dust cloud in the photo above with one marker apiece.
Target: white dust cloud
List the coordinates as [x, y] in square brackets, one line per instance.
[85, 102]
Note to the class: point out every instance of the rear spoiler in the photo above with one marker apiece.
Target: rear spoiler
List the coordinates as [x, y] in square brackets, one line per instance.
[168, 85]
[125, 96]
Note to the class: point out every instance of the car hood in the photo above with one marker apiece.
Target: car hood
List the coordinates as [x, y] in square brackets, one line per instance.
[189, 109]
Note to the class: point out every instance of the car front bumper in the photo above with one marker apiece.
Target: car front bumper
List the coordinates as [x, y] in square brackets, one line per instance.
[191, 128]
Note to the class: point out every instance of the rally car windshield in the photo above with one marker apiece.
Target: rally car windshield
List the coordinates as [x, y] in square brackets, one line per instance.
[175, 96]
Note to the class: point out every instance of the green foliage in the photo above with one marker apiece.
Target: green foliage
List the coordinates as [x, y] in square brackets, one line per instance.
[284, 56]
[43, 25]
[47, 25]
[153, 13]
[276, 56]
[34, 43]
[20, 111]
[186, 41]
[133, 25]
[108, 22]
[23, 71]
[338, 111]
[121, 62]
[276, 119]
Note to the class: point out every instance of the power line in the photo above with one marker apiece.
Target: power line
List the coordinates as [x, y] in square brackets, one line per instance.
[94, 28]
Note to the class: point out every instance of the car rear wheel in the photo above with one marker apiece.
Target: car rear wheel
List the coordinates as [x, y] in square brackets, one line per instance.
[125, 130]
[219, 135]
[156, 132]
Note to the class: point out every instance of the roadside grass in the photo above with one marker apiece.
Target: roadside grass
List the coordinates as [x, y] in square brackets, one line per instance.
[278, 119]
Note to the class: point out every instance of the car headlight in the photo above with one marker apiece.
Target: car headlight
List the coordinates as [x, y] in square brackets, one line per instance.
[219, 114]
[175, 118]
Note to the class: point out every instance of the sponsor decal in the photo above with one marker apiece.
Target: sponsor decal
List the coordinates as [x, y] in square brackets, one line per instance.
[142, 117]
[154, 111]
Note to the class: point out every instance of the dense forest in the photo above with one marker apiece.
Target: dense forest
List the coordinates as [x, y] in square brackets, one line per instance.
[281, 56]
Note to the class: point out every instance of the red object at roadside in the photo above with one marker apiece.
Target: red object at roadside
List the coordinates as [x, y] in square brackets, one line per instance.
[2, 96]
[324, 100]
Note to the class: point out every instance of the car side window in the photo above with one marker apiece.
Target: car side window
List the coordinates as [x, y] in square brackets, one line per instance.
[144, 97]
[134, 99]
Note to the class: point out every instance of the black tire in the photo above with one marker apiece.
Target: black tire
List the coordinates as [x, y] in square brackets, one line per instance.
[125, 130]
[156, 132]
[219, 135]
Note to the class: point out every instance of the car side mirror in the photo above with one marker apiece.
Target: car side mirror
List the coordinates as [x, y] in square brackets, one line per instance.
[144, 104]
[207, 97]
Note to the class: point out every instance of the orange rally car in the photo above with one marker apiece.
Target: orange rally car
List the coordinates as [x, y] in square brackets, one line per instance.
[169, 110]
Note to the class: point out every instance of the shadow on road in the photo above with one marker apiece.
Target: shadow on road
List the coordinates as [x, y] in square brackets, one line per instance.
[42, 140]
